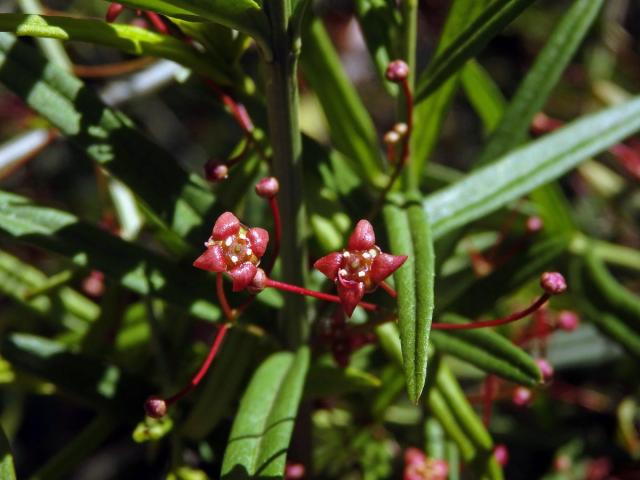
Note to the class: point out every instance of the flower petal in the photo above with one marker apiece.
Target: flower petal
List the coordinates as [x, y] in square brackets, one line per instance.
[226, 224]
[242, 275]
[259, 239]
[350, 294]
[329, 265]
[363, 236]
[384, 265]
[212, 260]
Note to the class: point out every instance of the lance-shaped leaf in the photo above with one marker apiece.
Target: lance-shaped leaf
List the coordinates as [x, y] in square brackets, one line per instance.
[171, 196]
[534, 90]
[430, 114]
[481, 460]
[261, 432]
[483, 94]
[88, 246]
[409, 234]
[525, 169]
[129, 39]
[246, 16]
[491, 21]
[351, 127]
[488, 351]
[7, 470]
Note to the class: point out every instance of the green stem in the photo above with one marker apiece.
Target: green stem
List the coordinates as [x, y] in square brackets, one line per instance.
[282, 109]
[611, 253]
[407, 52]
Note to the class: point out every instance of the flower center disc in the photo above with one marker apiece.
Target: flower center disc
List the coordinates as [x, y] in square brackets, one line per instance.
[356, 266]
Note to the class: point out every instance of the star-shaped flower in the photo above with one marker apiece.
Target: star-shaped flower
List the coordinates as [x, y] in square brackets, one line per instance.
[235, 249]
[360, 268]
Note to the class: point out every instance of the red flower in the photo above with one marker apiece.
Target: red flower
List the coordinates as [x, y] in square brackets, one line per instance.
[235, 249]
[360, 268]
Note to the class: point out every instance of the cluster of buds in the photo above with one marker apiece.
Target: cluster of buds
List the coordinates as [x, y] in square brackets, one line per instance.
[417, 466]
[235, 249]
[341, 340]
[360, 268]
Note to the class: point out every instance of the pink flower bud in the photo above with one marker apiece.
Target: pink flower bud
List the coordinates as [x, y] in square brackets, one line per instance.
[155, 407]
[294, 471]
[114, 10]
[534, 224]
[546, 369]
[216, 171]
[501, 453]
[553, 283]
[397, 71]
[568, 320]
[521, 396]
[268, 187]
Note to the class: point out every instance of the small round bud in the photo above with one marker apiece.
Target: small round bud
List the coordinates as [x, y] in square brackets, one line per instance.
[155, 407]
[401, 128]
[521, 396]
[391, 137]
[534, 224]
[216, 171]
[294, 471]
[258, 283]
[414, 456]
[114, 10]
[568, 320]
[397, 71]
[553, 283]
[546, 369]
[268, 187]
[501, 454]
[562, 463]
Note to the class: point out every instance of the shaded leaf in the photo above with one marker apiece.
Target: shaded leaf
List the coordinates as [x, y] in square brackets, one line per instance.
[171, 196]
[7, 470]
[487, 350]
[534, 90]
[529, 167]
[129, 39]
[85, 245]
[261, 432]
[491, 21]
[351, 127]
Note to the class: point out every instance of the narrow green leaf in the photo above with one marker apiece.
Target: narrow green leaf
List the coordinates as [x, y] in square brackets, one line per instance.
[171, 196]
[484, 95]
[525, 169]
[607, 291]
[7, 470]
[379, 21]
[351, 127]
[409, 234]
[487, 350]
[86, 379]
[87, 246]
[129, 39]
[534, 90]
[493, 19]
[399, 232]
[20, 281]
[424, 281]
[261, 432]
[454, 416]
[246, 16]
[462, 409]
[328, 380]
[430, 114]
[222, 385]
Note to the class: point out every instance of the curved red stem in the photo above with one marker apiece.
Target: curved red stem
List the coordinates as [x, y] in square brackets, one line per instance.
[312, 293]
[215, 346]
[498, 321]
[222, 298]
